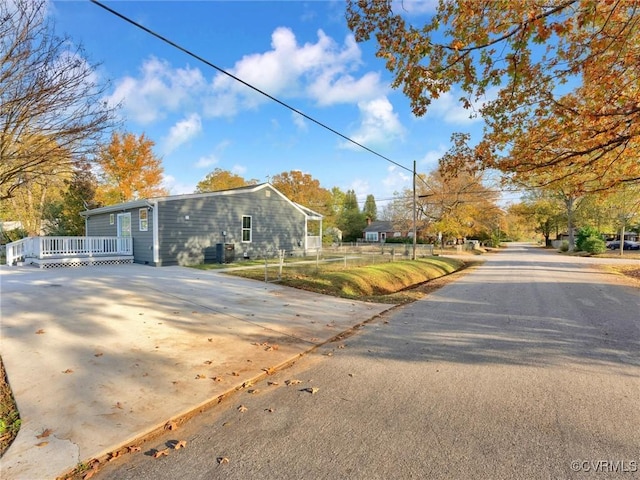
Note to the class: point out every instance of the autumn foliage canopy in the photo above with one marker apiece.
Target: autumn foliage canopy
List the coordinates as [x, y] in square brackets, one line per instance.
[557, 83]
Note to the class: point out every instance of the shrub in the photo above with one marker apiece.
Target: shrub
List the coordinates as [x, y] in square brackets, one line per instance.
[564, 246]
[585, 234]
[594, 245]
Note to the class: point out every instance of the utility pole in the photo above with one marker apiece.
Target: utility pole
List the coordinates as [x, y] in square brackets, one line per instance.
[415, 213]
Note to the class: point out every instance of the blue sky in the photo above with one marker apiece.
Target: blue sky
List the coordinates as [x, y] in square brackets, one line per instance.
[300, 52]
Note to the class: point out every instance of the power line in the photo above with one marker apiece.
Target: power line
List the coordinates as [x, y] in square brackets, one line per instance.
[237, 79]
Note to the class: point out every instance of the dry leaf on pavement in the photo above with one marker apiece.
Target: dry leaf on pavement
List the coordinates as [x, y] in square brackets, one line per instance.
[161, 453]
[171, 426]
[45, 433]
[222, 460]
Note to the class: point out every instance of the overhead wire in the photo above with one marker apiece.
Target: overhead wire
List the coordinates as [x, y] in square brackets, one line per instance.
[247, 84]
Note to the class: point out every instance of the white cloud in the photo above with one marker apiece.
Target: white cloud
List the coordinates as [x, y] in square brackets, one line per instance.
[414, 7]
[318, 70]
[299, 121]
[159, 89]
[362, 188]
[207, 161]
[396, 179]
[379, 124]
[182, 132]
[177, 188]
[430, 159]
[451, 110]
[239, 169]
[329, 90]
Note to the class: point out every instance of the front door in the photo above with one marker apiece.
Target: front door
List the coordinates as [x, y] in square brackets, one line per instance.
[124, 230]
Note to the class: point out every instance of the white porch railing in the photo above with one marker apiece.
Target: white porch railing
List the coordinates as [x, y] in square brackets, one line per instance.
[314, 242]
[61, 247]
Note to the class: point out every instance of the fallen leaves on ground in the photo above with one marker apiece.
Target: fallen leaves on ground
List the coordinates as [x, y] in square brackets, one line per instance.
[269, 370]
[68, 370]
[98, 354]
[134, 449]
[180, 444]
[114, 455]
[45, 433]
[222, 460]
[171, 426]
[292, 382]
[39, 332]
[216, 379]
[42, 444]
[311, 390]
[200, 376]
[242, 409]
[161, 453]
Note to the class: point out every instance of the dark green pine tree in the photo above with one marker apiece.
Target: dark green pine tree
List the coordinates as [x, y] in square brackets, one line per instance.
[351, 220]
[370, 210]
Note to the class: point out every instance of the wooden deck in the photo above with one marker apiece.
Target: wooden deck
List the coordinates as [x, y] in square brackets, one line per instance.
[55, 252]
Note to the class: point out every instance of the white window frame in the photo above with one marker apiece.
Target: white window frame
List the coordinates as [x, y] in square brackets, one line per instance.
[371, 236]
[112, 219]
[248, 229]
[143, 219]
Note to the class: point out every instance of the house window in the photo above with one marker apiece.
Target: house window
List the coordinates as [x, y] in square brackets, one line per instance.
[371, 236]
[144, 219]
[246, 228]
[112, 219]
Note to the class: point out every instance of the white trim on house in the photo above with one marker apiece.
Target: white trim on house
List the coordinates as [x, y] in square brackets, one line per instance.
[156, 242]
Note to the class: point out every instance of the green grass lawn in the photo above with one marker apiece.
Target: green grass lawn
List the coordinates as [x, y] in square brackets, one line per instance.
[382, 282]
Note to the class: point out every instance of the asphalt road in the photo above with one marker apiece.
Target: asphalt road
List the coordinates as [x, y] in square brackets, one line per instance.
[527, 367]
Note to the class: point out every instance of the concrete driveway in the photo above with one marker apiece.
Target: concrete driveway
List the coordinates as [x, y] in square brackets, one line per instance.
[98, 357]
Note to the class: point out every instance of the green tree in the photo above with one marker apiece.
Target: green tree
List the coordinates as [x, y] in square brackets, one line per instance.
[221, 179]
[370, 209]
[62, 217]
[544, 212]
[351, 220]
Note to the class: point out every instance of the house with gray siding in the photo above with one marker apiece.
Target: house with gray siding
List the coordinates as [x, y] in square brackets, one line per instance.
[246, 222]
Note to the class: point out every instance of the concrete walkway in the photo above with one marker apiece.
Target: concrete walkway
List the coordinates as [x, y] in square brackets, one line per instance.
[98, 357]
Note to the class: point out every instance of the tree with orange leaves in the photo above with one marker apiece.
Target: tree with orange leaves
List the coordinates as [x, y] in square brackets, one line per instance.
[129, 170]
[557, 83]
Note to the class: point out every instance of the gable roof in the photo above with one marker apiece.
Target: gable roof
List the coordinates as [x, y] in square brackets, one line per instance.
[380, 226]
[233, 191]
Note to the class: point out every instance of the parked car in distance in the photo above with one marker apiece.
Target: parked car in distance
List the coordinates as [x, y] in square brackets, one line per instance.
[628, 245]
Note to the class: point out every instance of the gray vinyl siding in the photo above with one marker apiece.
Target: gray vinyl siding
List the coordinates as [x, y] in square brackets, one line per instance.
[99, 226]
[142, 241]
[188, 226]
